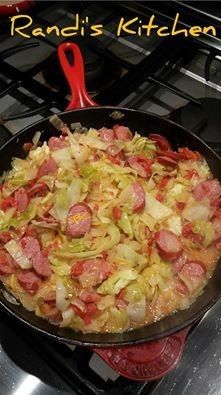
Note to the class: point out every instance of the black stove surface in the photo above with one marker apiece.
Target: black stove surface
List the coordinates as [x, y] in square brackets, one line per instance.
[203, 120]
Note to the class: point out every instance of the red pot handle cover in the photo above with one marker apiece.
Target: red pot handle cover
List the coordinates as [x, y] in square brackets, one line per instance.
[148, 361]
[14, 8]
[75, 76]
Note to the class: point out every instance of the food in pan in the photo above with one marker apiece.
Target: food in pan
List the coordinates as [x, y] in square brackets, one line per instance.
[106, 231]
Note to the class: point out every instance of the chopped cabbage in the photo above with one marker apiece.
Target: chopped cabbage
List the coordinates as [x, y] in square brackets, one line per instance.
[156, 209]
[175, 224]
[132, 258]
[117, 281]
[18, 255]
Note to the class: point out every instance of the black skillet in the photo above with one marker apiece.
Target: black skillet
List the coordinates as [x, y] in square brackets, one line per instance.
[143, 123]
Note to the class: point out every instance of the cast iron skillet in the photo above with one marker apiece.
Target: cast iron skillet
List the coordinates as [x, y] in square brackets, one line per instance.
[143, 123]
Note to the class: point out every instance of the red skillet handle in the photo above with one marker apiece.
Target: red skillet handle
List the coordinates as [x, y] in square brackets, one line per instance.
[75, 76]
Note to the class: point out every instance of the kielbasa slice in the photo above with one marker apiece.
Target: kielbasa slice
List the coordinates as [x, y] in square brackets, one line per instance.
[192, 274]
[21, 199]
[169, 154]
[138, 197]
[209, 189]
[107, 134]
[6, 264]
[47, 167]
[122, 132]
[79, 220]
[160, 141]
[32, 250]
[166, 161]
[178, 264]
[56, 143]
[29, 281]
[141, 165]
[169, 244]
[39, 189]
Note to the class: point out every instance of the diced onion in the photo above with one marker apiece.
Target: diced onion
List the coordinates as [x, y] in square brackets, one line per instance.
[56, 122]
[67, 316]
[61, 296]
[36, 138]
[137, 311]
[9, 298]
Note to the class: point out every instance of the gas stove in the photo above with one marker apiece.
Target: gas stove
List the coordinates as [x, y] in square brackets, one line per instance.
[176, 78]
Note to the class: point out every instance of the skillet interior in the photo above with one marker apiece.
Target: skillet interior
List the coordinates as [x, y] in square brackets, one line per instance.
[143, 123]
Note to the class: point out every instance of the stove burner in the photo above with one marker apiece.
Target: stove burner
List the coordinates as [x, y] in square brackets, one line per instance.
[202, 120]
[99, 73]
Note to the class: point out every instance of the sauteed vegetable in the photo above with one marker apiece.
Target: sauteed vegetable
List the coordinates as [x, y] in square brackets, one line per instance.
[105, 231]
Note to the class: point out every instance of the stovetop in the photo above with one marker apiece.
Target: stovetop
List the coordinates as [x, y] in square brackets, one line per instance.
[176, 78]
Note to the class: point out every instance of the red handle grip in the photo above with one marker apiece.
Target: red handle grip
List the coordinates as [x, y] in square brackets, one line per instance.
[75, 76]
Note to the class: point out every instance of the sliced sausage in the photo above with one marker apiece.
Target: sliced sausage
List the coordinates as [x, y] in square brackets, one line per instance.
[180, 287]
[141, 165]
[160, 141]
[187, 154]
[79, 220]
[21, 198]
[89, 296]
[32, 250]
[138, 197]
[29, 281]
[169, 244]
[122, 132]
[39, 189]
[169, 154]
[8, 203]
[47, 167]
[192, 274]
[166, 161]
[178, 263]
[56, 143]
[209, 189]
[6, 263]
[5, 237]
[97, 268]
[106, 134]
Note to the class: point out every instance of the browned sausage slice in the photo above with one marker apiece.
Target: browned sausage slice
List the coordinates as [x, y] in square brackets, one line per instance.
[56, 143]
[39, 189]
[141, 165]
[106, 134]
[192, 274]
[29, 281]
[32, 250]
[79, 220]
[138, 197]
[178, 264]
[21, 199]
[122, 132]
[169, 244]
[47, 167]
[160, 141]
[6, 263]
[166, 161]
[209, 189]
